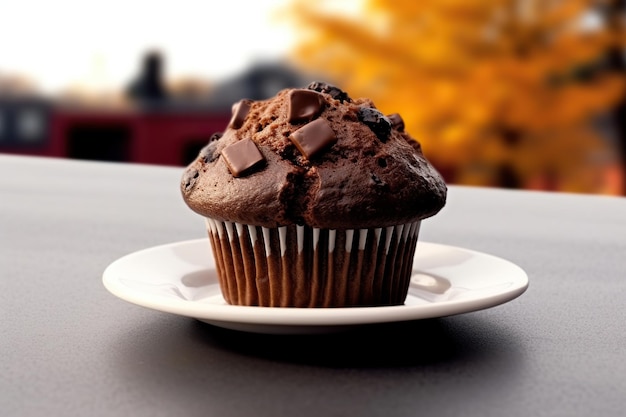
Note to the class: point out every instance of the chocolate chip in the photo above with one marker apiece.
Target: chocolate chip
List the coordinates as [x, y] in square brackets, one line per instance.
[207, 154]
[189, 178]
[240, 111]
[313, 137]
[241, 157]
[396, 122]
[304, 105]
[376, 121]
[216, 136]
[331, 90]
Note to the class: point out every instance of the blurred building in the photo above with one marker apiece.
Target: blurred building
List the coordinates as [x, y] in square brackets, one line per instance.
[24, 122]
[152, 123]
[259, 82]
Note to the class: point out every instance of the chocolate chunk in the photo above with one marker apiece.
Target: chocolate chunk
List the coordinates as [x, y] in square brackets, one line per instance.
[189, 178]
[208, 154]
[216, 136]
[331, 90]
[313, 137]
[396, 122]
[240, 111]
[242, 156]
[304, 105]
[376, 121]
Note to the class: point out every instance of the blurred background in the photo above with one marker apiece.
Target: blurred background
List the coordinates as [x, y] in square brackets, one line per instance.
[527, 94]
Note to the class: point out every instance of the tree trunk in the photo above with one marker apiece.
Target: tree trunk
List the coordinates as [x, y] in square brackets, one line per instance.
[615, 15]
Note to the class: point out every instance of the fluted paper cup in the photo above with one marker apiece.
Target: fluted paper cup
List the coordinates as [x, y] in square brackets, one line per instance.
[300, 266]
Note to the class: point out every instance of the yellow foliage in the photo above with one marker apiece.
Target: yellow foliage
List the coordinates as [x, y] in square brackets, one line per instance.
[486, 83]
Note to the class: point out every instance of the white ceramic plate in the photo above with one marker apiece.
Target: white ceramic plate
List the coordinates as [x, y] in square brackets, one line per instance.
[180, 278]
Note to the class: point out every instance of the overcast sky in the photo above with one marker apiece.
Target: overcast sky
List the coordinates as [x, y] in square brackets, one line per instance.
[98, 44]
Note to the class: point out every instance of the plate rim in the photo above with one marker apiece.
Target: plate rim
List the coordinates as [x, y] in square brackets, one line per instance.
[294, 316]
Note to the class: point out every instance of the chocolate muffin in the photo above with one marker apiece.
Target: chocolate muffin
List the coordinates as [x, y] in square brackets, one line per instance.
[313, 199]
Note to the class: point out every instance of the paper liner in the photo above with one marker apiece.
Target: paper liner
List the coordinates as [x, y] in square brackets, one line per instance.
[300, 266]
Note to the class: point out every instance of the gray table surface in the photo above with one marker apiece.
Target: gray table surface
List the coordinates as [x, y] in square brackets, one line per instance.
[70, 348]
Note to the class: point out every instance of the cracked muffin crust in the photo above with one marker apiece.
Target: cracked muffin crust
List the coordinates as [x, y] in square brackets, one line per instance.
[314, 157]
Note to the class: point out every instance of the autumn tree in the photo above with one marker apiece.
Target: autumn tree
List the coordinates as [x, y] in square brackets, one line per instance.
[499, 92]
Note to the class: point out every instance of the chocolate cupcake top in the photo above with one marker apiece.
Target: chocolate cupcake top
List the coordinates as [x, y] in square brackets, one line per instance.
[314, 157]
